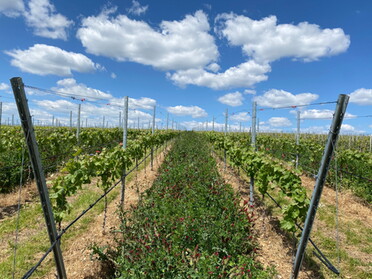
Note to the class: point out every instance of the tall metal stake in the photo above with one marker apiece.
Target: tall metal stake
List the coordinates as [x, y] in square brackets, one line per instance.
[152, 132]
[319, 184]
[167, 120]
[224, 151]
[298, 136]
[1, 112]
[125, 133]
[253, 144]
[28, 129]
[70, 118]
[213, 124]
[120, 118]
[78, 124]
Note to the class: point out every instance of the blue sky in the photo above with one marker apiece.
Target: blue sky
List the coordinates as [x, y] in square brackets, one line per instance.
[192, 59]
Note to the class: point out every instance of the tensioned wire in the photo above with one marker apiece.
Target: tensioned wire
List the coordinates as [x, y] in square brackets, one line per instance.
[318, 252]
[33, 269]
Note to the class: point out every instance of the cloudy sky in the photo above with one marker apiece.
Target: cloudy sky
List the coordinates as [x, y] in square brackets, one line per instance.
[190, 59]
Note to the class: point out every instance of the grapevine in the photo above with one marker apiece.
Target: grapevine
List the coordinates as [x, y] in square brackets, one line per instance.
[268, 175]
[107, 165]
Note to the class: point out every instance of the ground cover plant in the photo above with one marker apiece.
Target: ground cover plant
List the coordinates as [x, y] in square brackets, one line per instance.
[188, 225]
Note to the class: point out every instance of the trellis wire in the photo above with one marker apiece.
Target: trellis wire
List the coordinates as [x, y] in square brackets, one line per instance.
[63, 231]
[318, 252]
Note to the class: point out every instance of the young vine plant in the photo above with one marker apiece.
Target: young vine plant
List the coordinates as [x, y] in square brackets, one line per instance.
[268, 175]
[106, 165]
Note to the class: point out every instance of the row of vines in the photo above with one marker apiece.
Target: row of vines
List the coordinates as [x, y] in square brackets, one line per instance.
[268, 176]
[56, 146]
[189, 224]
[107, 166]
[353, 168]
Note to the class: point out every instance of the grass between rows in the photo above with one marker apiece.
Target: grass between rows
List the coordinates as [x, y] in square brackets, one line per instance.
[354, 236]
[188, 224]
[33, 238]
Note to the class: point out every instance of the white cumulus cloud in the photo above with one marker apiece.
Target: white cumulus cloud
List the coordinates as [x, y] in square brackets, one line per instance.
[243, 75]
[175, 45]
[193, 111]
[137, 9]
[40, 15]
[275, 98]
[361, 96]
[70, 86]
[43, 60]
[279, 122]
[4, 86]
[141, 103]
[265, 40]
[62, 106]
[232, 99]
[12, 8]
[250, 92]
[347, 128]
[320, 113]
[82, 91]
[240, 117]
[213, 67]
[94, 113]
[9, 108]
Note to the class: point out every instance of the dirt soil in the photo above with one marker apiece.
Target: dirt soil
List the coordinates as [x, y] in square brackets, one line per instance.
[350, 207]
[274, 247]
[9, 201]
[352, 213]
[277, 247]
[76, 256]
